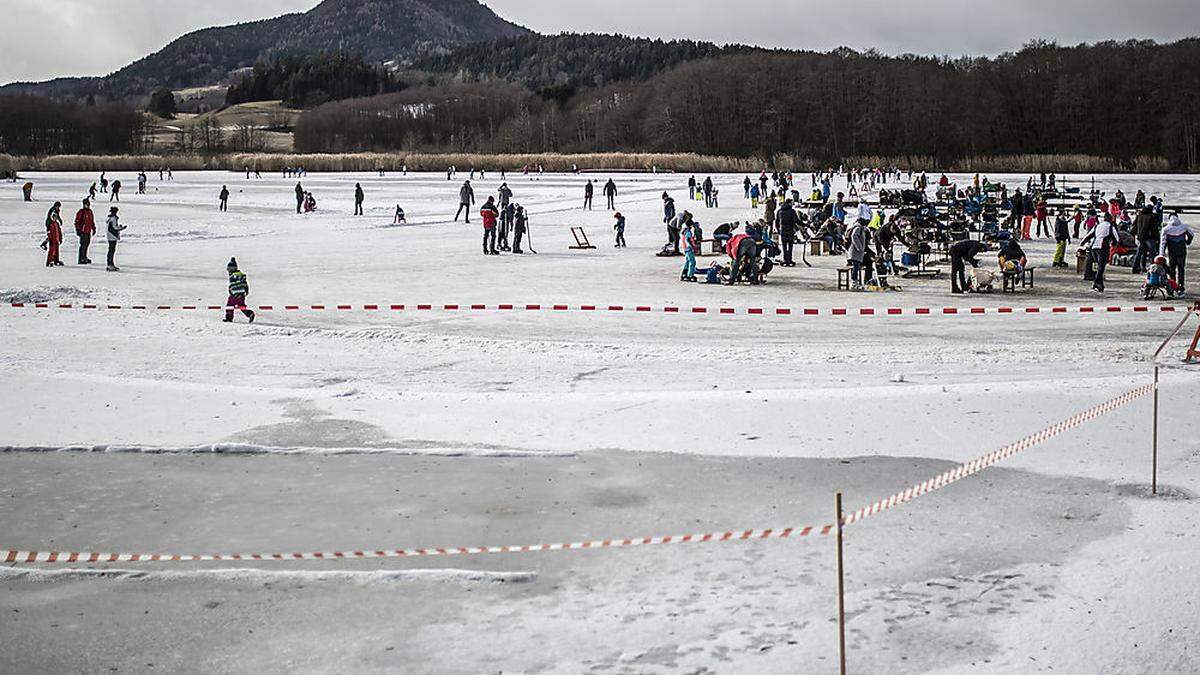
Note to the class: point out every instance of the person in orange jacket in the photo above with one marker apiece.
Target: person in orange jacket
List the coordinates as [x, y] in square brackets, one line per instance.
[85, 227]
[54, 235]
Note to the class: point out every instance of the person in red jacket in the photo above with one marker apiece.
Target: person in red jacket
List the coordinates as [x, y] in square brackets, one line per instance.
[743, 252]
[54, 235]
[85, 227]
[490, 214]
[1043, 214]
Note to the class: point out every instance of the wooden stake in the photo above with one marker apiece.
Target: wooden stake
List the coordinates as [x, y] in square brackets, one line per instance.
[841, 585]
[1154, 456]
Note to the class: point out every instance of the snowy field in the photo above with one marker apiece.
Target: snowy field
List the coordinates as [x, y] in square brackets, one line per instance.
[367, 430]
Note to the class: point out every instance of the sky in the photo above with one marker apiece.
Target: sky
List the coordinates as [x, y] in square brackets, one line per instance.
[40, 39]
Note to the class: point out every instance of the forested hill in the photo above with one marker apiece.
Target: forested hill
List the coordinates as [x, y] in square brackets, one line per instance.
[1124, 100]
[379, 30]
[572, 61]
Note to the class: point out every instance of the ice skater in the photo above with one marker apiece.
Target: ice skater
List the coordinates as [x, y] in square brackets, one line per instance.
[359, 196]
[620, 229]
[399, 219]
[588, 192]
[690, 246]
[54, 235]
[85, 228]
[466, 199]
[299, 198]
[610, 193]
[239, 288]
[520, 227]
[113, 228]
[490, 214]
[224, 198]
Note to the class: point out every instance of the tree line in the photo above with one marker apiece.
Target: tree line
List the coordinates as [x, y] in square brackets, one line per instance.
[307, 81]
[32, 125]
[1122, 100]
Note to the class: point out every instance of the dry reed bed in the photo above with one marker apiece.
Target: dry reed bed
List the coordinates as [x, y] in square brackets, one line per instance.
[615, 161]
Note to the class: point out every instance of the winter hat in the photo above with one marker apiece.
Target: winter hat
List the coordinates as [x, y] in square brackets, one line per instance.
[1160, 261]
[232, 266]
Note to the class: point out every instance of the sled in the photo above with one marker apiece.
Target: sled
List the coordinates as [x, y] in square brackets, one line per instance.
[581, 240]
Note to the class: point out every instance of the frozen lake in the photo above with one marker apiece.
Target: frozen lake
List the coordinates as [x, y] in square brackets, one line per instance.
[362, 430]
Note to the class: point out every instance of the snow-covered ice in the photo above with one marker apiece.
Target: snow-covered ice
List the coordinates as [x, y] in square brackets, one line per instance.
[172, 432]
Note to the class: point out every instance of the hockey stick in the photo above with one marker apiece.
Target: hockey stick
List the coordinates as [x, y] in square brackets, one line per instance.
[529, 239]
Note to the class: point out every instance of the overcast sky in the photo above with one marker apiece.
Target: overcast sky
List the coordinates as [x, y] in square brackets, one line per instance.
[40, 39]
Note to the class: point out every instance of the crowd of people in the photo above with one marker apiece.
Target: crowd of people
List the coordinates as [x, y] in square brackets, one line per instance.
[1141, 233]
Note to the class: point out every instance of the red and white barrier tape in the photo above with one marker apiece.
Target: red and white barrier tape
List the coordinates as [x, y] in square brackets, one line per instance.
[932, 485]
[635, 309]
[971, 468]
[60, 557]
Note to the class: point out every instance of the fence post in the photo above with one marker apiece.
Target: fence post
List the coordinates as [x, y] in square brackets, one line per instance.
[841, 587]
[1154, 456]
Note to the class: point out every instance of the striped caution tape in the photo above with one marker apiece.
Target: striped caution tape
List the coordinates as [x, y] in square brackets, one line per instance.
[635, 309]
[971, 468]
[927, 487]
[745, 535]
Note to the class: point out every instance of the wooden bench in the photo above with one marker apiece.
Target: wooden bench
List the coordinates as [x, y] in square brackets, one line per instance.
[1024, 277]
[717, 248]
[844, 278]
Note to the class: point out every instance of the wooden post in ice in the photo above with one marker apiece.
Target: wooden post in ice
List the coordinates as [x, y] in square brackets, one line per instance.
[841, 587]
[1192, 353]
[1154, 454]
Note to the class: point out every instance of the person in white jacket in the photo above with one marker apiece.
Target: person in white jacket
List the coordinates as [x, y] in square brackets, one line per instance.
[1099, 244]
[114, 230]
[865, 214]
[1176, 238]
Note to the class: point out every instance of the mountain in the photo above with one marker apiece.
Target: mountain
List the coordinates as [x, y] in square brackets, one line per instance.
[379, 30]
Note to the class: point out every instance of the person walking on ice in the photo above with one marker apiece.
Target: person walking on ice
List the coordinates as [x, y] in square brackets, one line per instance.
[359, 196]
[466, 199]
[299, 198]
[224, 197]
[239, 288]
[114, 229]
[610, 192]
[589, 191]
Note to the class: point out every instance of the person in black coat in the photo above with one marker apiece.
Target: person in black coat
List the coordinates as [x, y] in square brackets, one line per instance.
[961, 253]
[787, 221]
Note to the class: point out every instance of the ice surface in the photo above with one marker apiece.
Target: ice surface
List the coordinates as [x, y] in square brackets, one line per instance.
[173, 432]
